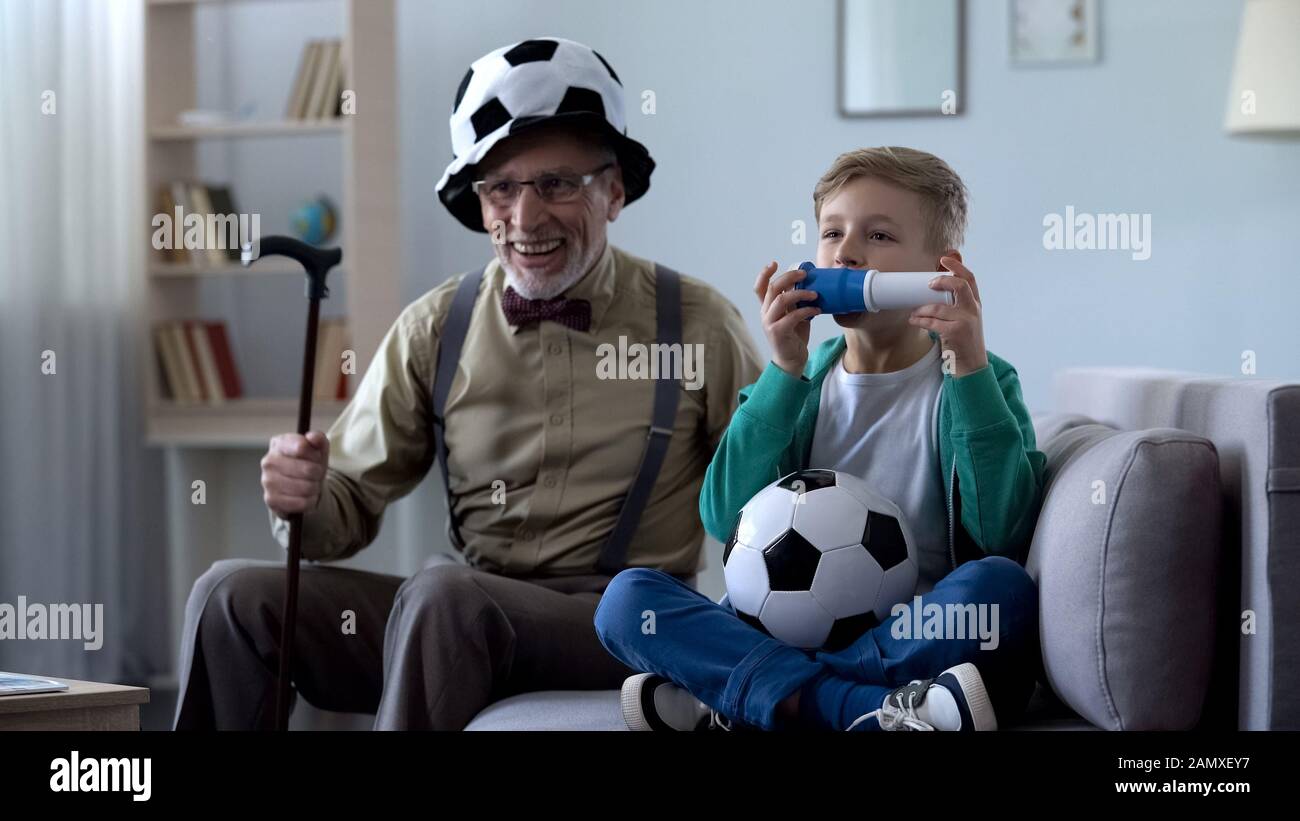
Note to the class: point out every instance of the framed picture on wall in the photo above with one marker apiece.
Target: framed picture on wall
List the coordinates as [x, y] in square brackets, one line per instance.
[1053, 32]
[900, 57]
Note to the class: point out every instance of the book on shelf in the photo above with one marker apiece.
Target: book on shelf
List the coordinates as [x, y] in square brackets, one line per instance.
[187, 379]
[215, 255]
[330, 381]
[220, 243]
[167, 205]
[333, 105]
[318, 84]
[196, 363]
[302, 82]
[222, 202]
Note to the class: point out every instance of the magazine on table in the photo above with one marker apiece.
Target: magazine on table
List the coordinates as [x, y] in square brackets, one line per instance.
[13, 684]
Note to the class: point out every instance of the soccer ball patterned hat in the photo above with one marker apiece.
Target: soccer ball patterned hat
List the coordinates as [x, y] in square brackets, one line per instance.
[522, 86]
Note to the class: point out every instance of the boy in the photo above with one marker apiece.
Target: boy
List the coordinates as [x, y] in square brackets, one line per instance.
[908, 400]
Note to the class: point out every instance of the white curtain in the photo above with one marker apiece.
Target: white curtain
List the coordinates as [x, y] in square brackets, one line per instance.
[80, 514]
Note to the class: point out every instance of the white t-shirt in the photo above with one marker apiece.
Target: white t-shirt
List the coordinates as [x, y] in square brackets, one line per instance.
[882, 428]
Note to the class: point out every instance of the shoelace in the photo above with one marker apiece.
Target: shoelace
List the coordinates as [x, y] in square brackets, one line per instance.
[717, 721]
[896, 716]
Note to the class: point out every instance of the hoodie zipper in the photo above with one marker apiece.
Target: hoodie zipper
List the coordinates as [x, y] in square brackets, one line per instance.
[952, 482]
[952, 552]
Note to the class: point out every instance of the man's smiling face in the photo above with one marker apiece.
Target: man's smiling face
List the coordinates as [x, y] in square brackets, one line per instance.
[550, 246]
[870, 223]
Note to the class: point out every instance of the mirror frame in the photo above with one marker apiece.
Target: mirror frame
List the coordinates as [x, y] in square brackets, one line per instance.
[840, 89]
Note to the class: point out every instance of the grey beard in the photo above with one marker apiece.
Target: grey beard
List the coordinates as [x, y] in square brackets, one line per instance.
[550, 287]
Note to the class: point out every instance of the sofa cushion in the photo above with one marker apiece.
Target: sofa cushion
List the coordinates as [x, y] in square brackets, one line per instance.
[1124, 555]
[553, 710]
[1255, 424]
[1046, 712]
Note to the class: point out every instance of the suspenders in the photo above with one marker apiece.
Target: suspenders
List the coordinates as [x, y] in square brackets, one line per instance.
[453, 337]
[668, 330]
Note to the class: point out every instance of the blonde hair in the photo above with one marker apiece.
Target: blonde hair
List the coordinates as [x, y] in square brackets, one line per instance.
[943, 194]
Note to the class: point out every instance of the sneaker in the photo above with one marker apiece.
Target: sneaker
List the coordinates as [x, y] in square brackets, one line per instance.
[956, 701]
[652, 702]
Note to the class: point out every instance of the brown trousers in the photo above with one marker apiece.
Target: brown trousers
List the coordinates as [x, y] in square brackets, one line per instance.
[427, 652]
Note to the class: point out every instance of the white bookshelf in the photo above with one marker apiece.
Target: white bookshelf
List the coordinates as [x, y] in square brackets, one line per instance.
[236, 424]
[218, 442]
[369, 173]
[271, 266]
[269, 128]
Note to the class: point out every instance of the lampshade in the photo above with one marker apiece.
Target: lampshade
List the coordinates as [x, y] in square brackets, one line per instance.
[1264, 97]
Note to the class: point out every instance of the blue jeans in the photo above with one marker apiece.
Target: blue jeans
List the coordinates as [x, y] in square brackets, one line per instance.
[744, 674]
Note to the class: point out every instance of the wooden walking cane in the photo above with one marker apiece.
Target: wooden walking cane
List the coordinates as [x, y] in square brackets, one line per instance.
[317, 262]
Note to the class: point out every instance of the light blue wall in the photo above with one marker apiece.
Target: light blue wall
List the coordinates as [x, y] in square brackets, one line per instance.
[746, 122]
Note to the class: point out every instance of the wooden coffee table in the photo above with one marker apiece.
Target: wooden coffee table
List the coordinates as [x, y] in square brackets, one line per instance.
[85, 705]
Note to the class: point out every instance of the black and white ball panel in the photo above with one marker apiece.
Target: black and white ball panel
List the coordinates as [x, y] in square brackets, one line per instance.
[528, 81]
[746, 576]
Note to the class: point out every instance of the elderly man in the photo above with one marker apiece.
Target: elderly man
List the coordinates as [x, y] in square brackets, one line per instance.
[561, 465]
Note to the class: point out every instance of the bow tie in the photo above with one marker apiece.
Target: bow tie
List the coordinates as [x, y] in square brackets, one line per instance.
[573, 313]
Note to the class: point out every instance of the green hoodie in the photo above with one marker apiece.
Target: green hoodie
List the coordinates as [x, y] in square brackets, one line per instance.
[992, 473]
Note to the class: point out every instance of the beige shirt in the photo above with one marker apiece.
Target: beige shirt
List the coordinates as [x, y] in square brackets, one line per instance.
[542, 449]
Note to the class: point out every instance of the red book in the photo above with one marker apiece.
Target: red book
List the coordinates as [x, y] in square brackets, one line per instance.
[344, 341]
[225, 360]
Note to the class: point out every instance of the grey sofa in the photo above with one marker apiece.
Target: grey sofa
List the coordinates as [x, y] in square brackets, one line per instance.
[1172, 508]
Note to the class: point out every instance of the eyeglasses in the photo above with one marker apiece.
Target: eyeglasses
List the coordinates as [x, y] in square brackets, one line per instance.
[552, 188]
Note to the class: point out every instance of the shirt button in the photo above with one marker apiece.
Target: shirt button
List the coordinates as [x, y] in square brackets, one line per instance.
[549, 481]
[557, 419]
[555, 348]
[526, 536]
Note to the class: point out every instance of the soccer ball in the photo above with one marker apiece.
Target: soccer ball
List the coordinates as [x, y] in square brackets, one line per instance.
[817, 558]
